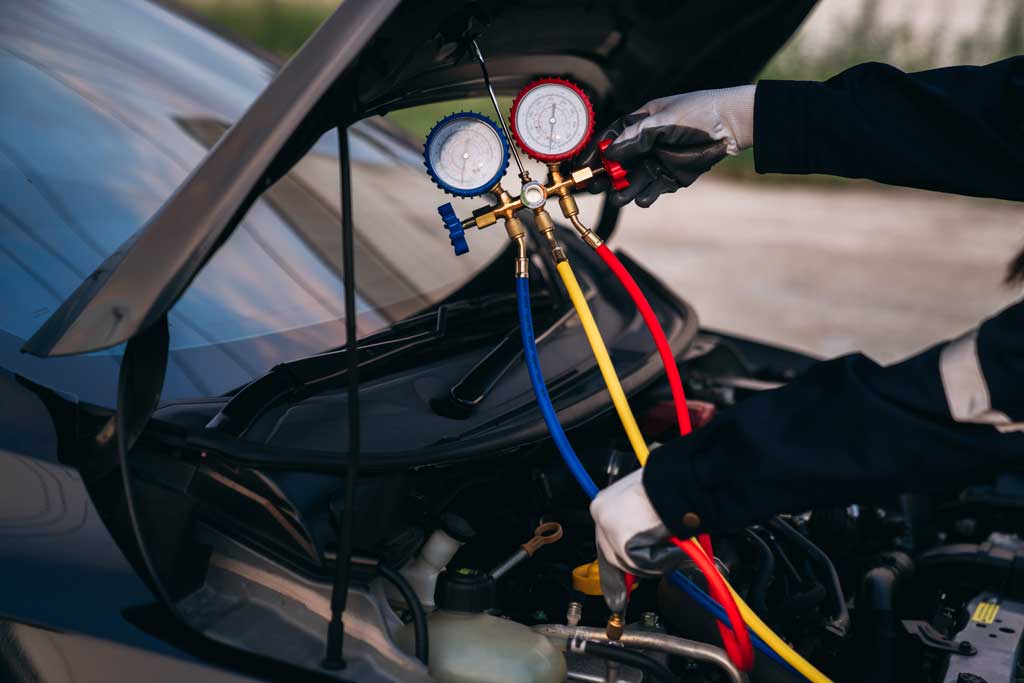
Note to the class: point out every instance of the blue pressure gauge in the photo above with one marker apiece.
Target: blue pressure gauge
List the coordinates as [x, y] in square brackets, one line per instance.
[465, 154]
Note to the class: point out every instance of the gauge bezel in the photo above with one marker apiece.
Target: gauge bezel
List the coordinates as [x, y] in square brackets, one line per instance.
[456, 191]
[540, 156]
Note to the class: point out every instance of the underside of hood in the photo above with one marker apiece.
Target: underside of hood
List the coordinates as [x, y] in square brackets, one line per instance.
[372, 56]
[623, 53]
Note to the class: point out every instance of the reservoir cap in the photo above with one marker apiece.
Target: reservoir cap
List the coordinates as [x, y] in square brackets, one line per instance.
[465, 590]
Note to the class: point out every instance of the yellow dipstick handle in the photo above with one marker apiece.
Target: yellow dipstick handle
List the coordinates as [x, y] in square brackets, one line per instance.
[636, 440]
[604, 362]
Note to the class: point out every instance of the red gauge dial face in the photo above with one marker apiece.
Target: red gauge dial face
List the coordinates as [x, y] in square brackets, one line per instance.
[552, 119]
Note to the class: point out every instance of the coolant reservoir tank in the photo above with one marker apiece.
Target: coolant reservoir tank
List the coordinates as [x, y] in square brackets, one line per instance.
[469, 646]
[439, 549]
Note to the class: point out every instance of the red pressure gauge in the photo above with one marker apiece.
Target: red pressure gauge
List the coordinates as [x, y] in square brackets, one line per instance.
[552, 119]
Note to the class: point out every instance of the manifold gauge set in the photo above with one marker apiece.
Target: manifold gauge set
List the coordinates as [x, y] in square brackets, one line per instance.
[552, 121]
[467, 154]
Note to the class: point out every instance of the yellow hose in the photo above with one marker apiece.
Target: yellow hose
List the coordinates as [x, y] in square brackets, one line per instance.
[636, 440]
[604, 362]
[771, 639]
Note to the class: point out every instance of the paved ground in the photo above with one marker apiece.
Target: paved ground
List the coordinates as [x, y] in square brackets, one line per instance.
[830, 270]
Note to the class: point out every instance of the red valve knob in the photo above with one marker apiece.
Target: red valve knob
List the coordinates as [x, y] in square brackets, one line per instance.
[616, 173]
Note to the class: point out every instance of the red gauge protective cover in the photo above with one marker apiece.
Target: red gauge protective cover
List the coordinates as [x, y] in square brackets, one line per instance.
[552, 157]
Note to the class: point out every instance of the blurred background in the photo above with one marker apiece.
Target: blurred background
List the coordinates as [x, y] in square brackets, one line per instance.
[819, 264]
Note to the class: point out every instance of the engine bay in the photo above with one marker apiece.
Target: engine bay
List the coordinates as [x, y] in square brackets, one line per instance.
[914, 588]
[412, 502]
[454, 541]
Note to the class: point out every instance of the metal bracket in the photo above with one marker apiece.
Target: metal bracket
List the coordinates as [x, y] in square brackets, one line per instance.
[932, 639]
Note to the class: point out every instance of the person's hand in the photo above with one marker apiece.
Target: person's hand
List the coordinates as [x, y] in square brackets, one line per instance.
[630, 538]
[668, 143]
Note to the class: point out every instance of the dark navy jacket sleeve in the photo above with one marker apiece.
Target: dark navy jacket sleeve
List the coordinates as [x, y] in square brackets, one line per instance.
[958, 129]
[851, 430]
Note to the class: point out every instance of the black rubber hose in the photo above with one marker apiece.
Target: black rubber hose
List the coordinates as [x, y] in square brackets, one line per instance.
[985, 564]
[840, 614]
[419, 615]
[757, 596]
[650, 666]
[878, 629]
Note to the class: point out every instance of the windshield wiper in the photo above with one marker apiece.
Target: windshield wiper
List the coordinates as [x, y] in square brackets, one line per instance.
[467, 321]
[466, 394]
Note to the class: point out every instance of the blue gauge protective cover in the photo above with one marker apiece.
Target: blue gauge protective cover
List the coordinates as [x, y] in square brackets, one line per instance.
[473, 192]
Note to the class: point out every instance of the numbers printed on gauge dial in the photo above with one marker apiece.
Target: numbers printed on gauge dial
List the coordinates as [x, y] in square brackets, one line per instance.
[552, 119]
[466, 154]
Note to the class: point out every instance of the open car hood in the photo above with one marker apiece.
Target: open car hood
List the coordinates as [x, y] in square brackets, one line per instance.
[372, 56]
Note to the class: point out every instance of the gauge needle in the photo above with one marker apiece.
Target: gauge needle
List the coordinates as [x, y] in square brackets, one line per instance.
[551, 136]
[465, 160]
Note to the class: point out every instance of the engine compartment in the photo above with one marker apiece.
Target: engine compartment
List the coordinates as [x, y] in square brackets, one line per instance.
[913, 588]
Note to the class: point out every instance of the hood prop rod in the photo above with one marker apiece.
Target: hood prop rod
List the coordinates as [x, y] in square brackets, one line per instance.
[334, 659]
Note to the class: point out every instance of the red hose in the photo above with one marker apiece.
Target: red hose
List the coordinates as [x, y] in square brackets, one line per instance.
[667, 359]
[737, 640]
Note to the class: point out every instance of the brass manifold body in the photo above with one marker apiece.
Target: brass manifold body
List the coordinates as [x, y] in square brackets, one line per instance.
[507, 206]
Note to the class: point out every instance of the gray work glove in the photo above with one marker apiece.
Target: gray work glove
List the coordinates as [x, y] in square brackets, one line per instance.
[630, 538]
[668, 143]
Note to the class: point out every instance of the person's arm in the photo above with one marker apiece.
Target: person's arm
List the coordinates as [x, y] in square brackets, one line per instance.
[958, 129]
[852, 430]
[849, 430]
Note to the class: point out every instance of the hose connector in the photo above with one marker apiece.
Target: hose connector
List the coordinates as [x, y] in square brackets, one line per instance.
[522, 262]
[616, 625]
[588, 235]
[546, 226]
[574, 614]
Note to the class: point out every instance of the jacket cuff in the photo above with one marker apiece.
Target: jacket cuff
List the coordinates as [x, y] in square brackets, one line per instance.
[780, 127]
[673, 490]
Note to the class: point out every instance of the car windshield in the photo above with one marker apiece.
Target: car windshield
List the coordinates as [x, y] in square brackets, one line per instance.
[86, 159]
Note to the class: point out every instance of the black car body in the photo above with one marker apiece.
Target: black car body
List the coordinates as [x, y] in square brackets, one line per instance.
[157, 176]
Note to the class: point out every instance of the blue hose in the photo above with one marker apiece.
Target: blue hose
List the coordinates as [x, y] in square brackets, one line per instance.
[540, 390]
[547, 410]
[711, 605]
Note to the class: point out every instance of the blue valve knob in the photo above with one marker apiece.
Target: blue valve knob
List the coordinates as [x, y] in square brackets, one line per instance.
[454, 226]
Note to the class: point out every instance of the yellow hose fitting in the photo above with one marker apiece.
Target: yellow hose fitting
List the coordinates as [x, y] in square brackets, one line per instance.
[616, 625]
[543, 220]
[546, 226]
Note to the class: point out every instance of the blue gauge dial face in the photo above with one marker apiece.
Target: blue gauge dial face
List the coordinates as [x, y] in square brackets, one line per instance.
[466, 154]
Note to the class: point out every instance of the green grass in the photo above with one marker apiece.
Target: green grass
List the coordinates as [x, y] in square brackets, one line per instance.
[418, 121]
[276, 25]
